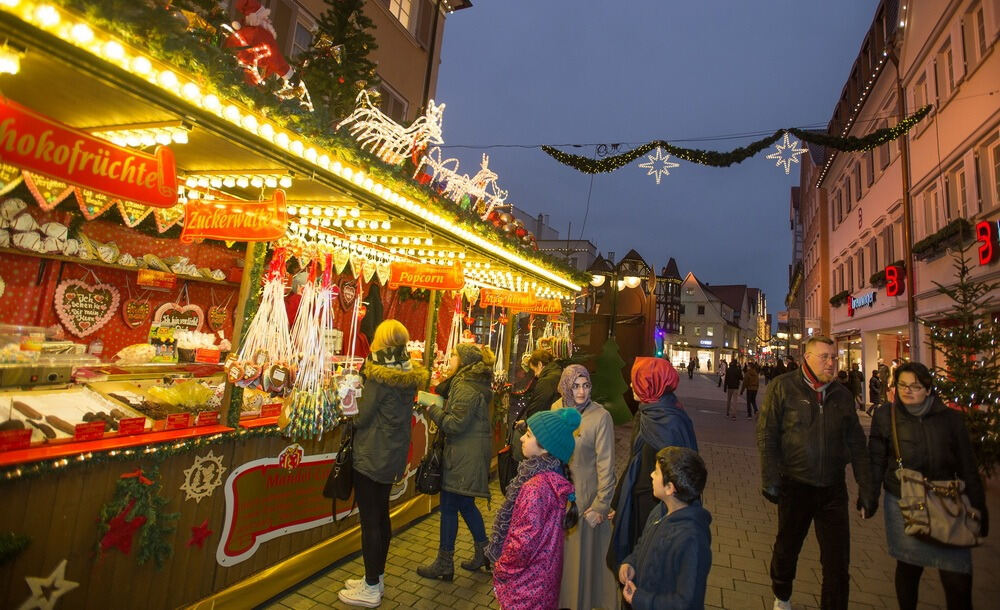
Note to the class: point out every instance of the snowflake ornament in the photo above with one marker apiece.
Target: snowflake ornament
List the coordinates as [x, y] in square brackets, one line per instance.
[787, 153]
[658, 164]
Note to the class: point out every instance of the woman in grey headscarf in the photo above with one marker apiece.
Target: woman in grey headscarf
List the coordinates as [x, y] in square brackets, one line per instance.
[586, 580]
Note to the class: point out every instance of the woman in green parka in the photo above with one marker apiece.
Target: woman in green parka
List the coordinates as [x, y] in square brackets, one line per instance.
[465, 423]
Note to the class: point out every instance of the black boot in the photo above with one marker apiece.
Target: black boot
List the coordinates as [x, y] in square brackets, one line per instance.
[479, 560]
[443, 567]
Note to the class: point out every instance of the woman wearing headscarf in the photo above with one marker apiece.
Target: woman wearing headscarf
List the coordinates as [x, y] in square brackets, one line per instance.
[465, 474]
[660, 422]
[585, 581]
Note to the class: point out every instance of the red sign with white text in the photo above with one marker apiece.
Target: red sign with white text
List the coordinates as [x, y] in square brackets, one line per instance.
[235, 220]
[432, 277]
[34, 142]
[90, 431]
[11, 440]
[519, 301]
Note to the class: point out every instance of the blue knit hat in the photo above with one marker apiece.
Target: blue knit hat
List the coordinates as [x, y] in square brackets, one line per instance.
[554, 431]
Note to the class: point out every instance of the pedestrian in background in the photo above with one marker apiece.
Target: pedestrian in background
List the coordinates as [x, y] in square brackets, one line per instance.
[381, 443]
[543, 392]
[691, 368]
[669, 567]
[526, 546]
[856, 382]
[874, 391]
[734, 377]
[934, 441]
[465, 472]
[586, 582]
[883, 376]
[722, 371]
[751, 383]
[660, 422]
[807, 433]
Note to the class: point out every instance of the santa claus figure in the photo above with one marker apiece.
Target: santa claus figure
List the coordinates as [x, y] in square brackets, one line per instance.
[255, 44]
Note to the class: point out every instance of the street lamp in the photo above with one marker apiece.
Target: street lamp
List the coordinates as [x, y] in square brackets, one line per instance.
[787, 338]
[628, 273]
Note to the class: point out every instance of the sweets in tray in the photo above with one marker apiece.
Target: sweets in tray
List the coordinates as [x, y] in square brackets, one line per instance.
[53, 415]
[158, 401]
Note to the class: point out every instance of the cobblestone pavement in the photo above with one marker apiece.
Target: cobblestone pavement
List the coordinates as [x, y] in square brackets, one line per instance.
[743, 531]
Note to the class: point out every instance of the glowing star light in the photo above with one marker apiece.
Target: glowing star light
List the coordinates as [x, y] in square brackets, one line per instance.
[788, 153]
[658, 164]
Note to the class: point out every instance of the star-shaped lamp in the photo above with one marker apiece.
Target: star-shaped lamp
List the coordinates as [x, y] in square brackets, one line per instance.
[46, 591]
[658, 164]
[787, 153]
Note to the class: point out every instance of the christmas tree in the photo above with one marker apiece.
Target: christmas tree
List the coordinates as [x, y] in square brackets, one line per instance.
[336, 66]
[609, 385]
[968, 339]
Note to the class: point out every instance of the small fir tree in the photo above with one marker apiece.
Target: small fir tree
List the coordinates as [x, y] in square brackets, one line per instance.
[968, 339]
[336, 66]
[609, 385]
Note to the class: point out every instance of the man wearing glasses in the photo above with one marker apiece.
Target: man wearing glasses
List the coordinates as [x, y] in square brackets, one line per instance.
[807, 433]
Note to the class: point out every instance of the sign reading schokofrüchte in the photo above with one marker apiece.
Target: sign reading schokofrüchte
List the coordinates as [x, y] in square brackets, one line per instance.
[235, 220]
[37, 143]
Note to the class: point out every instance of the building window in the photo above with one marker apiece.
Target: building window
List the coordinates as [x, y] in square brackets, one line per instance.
[958, 200]
[402, 10]
[857, 182]
[932, 213]
[682, 310]
[884, 156]
[697, 331]
[945, 70]
[974, 35]
[689, 291]
[392, 103]
[890, 249]
[873, 252]
[303, 37]
[861, 268]
[849, 273]
[710, 331]
[920, 96]
[701, 310]
[994, 173]
[848, 202]
[680, 329]
[870, 166]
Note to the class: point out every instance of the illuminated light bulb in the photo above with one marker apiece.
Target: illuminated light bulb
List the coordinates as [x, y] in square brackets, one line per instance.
[229, 182]
[326, 222]
[271, 182]
[47, 15]
[313, 232]
[257, 181]
[147, 139]
[361, 224]
[292, 210]
[310, 154]
[386, 225]
[285, 181]
[10, 61]
[231, 113]
[296, 147]
[368, 184]
[314, 222]
[355, 212]
[203, 182]
[406, 241]
[82, 34]
[383, 239]
[346, 173]
[328, 212]
[338, 222]
[281, 139]
[133, 139]
[250, 123]
[191, 182]
[10, 3]
[215, 182]
[428, 241]
[316, 211]
[349, 224]
[461, 255]
[394, 240]
[378, 189]
[163, 138]
[242, 182]
[211, 102]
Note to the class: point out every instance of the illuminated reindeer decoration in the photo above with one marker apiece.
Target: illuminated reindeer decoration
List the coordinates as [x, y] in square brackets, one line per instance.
[482, 186]
[386, 138]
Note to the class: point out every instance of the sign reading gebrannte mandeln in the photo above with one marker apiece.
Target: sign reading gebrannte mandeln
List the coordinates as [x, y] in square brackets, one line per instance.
[433, 277]
[235, 220]
[37, 143]
[518, 301]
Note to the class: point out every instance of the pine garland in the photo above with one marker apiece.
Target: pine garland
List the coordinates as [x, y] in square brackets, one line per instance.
[713, 158]
[11, 545]
[256, 275]
[137, 496]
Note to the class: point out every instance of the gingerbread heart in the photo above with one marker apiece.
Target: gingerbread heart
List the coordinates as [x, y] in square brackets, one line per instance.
[135, 312]
[186, 317]
[84, 309]
[217, 317]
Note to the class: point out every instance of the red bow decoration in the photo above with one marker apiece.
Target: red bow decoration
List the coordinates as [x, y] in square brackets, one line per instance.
[137, 474]
[122, 530]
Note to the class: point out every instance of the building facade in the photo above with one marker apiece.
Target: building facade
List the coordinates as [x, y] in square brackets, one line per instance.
[708, 331]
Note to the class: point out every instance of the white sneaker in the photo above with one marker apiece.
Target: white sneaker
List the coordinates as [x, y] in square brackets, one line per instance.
[367, 596]
[780, 605]
[354, 583]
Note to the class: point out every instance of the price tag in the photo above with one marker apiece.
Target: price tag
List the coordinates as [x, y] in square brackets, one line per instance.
[272, 410]
[153, 278]
[177, 421]
[207, 418]
[15, 439]
[132, 425]
[207, 356]
[88, 432]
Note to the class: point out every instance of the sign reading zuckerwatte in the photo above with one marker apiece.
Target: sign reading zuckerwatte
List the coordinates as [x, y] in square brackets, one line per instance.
[34, 142]
[433, 277]
[518, 301]
[235, 220]
[270, 497]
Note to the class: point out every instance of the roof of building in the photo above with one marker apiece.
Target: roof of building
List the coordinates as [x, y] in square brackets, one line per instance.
[671, 271]
[731, 294]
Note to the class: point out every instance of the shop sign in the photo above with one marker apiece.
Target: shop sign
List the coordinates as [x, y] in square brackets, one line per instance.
[132, 425]
[207, 418]
[153, 278]
[895, 281]
[705, 343]
[178, 421]
[90, 431]
[39, 144]
[11, 440]
[519, 301]
[432, 277]
[986, 234]
[865, 300]
[274, 496]
[235, 220]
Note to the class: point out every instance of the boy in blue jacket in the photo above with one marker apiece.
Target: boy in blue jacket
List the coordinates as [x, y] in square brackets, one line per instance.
[669, 567]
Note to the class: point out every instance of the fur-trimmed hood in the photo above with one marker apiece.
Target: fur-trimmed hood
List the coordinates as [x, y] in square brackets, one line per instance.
[416, 377]
[479, 369]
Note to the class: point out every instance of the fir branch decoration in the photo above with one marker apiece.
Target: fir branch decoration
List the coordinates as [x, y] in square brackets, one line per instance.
[137, 508]
[737, 155]
[11, 545]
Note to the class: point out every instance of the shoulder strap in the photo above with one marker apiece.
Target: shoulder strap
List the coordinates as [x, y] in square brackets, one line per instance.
[895, 435]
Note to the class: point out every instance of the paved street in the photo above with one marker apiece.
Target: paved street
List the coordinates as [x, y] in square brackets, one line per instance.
[742, 533]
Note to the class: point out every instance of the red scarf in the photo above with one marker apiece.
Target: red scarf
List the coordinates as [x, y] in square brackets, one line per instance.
[818, 386]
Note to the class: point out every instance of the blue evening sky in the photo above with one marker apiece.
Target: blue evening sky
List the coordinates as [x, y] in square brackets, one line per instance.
[528, 72]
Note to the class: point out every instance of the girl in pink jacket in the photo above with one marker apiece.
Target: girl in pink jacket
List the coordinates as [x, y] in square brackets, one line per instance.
[526, 547]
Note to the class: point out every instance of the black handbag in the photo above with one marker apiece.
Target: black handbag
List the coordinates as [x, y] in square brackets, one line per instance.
[428, 477]
[340, 482]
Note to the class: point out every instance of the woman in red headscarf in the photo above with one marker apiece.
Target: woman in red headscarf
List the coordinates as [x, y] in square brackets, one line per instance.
[660, 422]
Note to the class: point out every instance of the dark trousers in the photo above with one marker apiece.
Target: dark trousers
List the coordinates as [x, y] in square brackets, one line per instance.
[751, 402]
[957, 587]
[372, 498]
[799, 505]
[451, 505]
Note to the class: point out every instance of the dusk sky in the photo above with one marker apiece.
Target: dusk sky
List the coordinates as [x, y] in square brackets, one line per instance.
[520, 73]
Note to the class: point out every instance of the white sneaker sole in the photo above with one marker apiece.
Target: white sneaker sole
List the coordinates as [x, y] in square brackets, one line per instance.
[345, 597]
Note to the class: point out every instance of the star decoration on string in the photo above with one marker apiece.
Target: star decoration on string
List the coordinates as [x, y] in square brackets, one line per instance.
[122, 530]
[199, 534]
[658, 164]
[46, 591]
[788, 152]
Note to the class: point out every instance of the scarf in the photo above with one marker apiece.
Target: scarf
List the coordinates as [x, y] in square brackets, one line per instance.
[569, 376]
[813, 382]
[652, 378]
[525, 470]
[921, 409]
[395, 357]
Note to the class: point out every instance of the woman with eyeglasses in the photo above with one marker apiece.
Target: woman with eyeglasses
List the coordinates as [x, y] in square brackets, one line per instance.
[586, 581]
[933, 440]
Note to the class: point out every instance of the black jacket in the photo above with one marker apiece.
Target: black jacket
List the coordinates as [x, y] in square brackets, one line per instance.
[545, 391]
[382, 425]
[936, 445]
[809, 442]
[734, 375]
[672, 559]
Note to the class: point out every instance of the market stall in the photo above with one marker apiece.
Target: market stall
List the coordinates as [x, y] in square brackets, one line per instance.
[187, 284]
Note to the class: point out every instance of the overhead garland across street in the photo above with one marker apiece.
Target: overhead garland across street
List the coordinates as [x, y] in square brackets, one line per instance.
[714, 158]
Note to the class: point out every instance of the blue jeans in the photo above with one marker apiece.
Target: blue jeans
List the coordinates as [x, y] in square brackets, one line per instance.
[451, 505]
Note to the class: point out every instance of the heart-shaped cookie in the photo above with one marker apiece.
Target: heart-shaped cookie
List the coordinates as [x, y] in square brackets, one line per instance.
[217, 317]
[135, 312]
[84, 309]
[184, 317]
